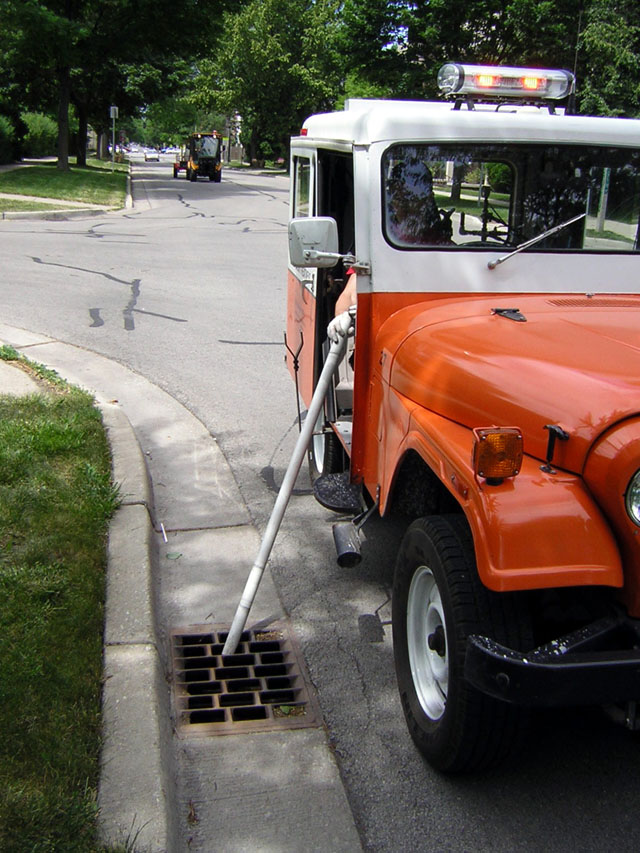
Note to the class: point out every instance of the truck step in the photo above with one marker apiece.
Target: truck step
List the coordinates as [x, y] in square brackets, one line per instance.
[335, 492]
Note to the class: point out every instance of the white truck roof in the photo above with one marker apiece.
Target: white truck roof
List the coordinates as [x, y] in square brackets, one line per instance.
[364, 122]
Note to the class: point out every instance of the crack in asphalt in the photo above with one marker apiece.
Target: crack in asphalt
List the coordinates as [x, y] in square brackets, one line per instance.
[130, 308]
[186, 204]
[106, 275]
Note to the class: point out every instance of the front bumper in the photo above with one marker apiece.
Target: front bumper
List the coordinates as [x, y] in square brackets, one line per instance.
[596, 665]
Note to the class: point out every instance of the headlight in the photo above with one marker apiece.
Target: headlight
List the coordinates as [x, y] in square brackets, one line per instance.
[632, 498]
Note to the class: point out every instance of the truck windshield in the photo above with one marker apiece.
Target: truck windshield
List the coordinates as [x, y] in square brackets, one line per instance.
[209, 146]
[490, 195]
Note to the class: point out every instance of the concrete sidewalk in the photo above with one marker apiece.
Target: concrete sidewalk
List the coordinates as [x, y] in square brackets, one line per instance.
[180, 549]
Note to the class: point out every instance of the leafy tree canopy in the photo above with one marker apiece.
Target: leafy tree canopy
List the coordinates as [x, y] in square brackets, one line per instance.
[170, 121]
[611, 42]
[86, 46]
[400, 44]
[277, 62]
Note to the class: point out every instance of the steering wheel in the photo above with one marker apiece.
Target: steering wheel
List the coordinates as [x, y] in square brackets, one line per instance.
[481, 243]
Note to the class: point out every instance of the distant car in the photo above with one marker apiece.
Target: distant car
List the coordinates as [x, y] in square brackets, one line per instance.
[151, 154]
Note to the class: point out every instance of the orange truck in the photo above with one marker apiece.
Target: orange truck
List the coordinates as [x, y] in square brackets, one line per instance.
[200, 156]
[491, 391]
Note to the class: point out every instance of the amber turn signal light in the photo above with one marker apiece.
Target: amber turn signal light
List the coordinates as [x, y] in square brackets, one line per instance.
[497, 453]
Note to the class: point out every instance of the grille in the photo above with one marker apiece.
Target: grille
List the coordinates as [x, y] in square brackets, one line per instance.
[594, 302]
[262, 687]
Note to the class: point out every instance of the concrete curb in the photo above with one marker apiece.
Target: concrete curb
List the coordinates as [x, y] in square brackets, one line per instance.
[58, 215]
[134, 793]
[128, 202]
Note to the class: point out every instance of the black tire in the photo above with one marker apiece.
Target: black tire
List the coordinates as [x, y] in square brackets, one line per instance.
[325, 454]
[438, 601]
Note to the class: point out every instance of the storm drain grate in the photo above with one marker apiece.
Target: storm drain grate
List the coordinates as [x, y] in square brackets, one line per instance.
[262, 687]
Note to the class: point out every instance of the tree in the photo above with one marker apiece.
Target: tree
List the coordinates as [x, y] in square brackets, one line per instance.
[610, 43]
[401, 44]
[25, 78]
[170, 121]
[85, 45]
[375, 37]
[278, 63]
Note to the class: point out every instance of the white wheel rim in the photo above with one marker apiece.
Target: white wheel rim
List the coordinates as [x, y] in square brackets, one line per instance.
[429, 666]
[319, 444]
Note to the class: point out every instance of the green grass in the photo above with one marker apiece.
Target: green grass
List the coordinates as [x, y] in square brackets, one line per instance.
[609, 235]
[95, 184]
[56, 498]
[467, 205]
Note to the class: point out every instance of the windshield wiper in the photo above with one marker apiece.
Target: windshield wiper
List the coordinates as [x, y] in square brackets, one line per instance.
[493, 264]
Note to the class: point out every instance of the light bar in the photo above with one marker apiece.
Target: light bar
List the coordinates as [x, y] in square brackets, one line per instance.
[493, 81]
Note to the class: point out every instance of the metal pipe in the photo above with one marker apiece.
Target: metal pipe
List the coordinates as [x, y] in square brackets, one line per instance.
[334, 357]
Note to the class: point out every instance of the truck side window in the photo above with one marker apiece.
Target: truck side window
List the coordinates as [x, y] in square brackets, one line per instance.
[302, 187]
[437, 196]
[335, 194]
[412, 214]
[336, 199]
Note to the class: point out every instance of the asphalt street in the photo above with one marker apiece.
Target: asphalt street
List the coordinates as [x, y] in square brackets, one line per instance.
[188, 290]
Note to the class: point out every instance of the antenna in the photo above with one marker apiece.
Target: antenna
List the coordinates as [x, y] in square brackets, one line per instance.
[571, 104]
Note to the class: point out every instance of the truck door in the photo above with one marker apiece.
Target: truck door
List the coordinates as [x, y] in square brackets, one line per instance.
[302, 282]
[322, 185]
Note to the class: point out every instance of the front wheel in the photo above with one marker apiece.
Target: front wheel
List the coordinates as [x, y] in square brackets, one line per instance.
[438, 601]
[325, 454]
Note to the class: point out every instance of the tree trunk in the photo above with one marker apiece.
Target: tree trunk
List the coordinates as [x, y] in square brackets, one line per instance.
[81, 142]
[103, 145]
[253, 145]
[63, 119]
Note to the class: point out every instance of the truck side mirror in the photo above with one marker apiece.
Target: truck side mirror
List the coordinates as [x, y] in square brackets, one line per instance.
[313, 241]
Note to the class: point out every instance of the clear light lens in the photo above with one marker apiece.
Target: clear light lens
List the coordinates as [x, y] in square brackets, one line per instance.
[632, 498]
[450, 78]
